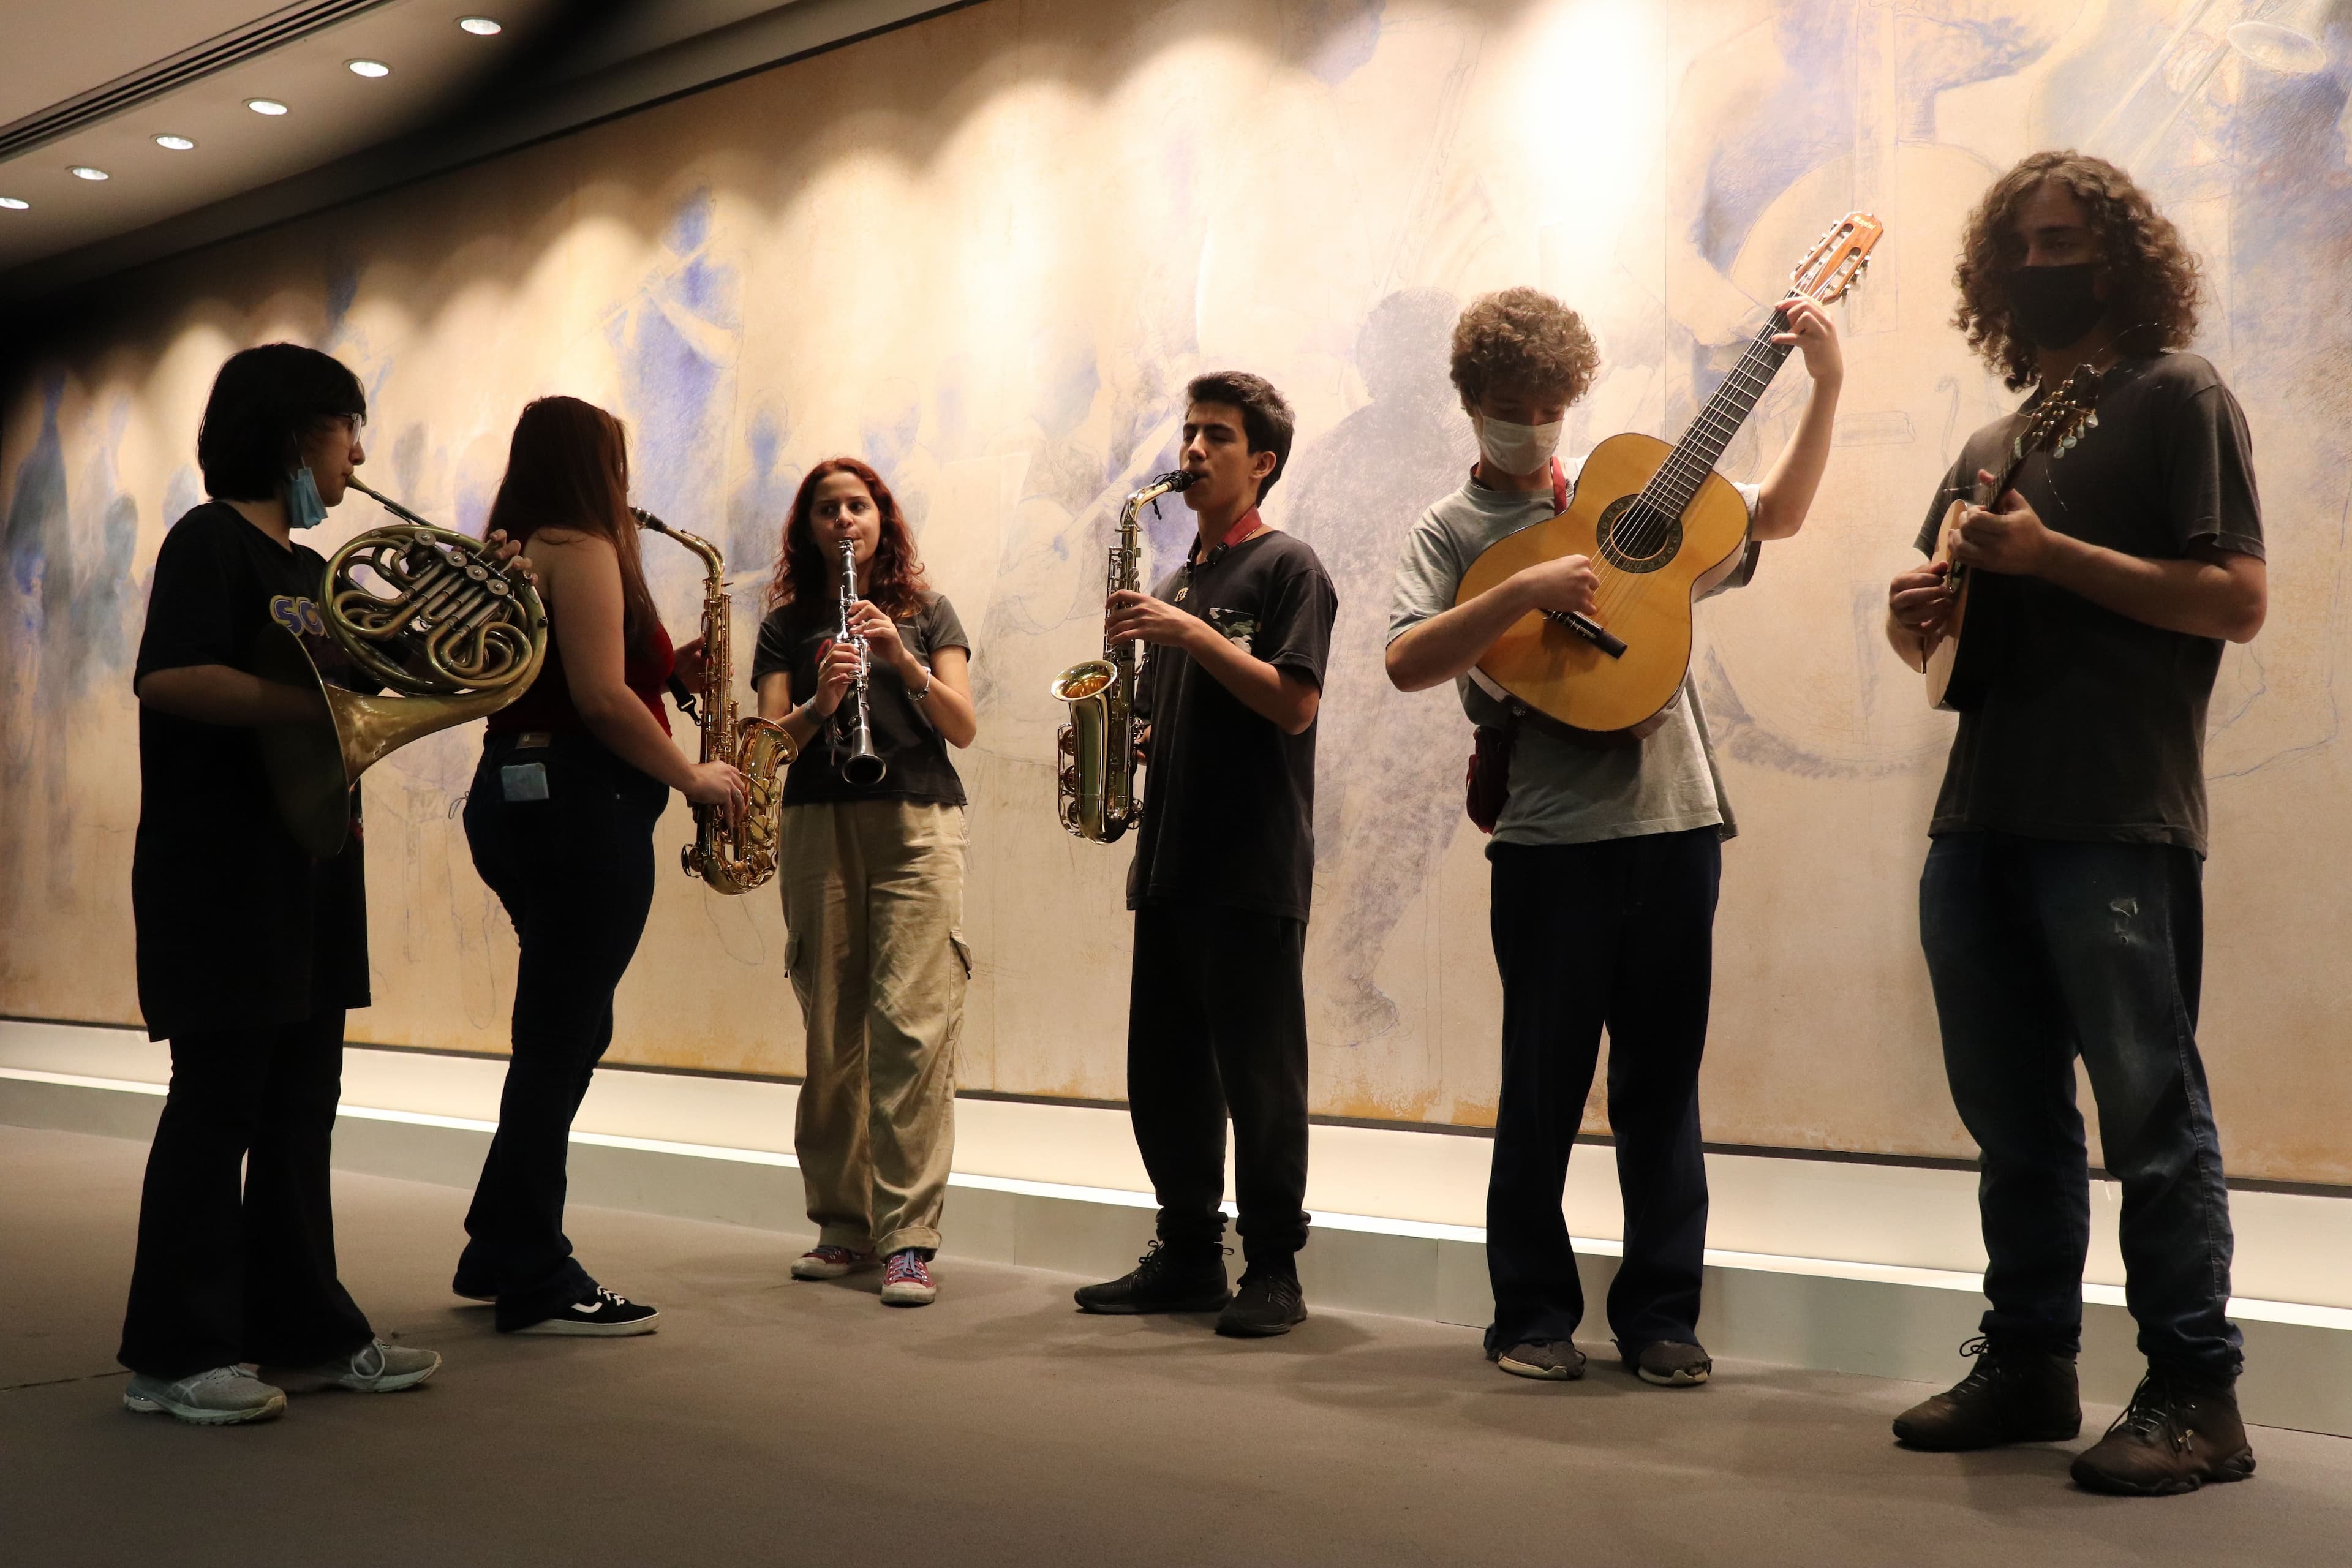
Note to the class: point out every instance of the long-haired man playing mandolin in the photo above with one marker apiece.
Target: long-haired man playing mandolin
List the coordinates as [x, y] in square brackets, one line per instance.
[1606, 857]
[2060, 909]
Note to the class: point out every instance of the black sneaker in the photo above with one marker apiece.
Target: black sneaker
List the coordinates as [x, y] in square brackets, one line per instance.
[2013, 1395]
[473, 1290]
[1268, 1303]
[2174, 1437]
[603, 1314]
[1668, 1363]
[1163, 1281]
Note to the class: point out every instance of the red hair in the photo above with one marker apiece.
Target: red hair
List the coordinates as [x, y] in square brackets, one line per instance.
[894, 581]
[568, 466]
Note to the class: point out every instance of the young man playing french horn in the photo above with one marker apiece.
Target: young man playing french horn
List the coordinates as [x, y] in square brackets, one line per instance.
[1635, 830]
[1224, 858]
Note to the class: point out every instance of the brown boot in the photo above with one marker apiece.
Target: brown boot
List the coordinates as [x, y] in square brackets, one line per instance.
[2014, 1395]
[2174, 1437]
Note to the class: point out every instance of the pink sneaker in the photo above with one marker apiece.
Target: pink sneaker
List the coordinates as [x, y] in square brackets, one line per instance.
[907, 1280]
[829, 1263]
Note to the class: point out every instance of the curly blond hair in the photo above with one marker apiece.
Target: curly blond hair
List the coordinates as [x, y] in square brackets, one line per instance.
[2153, 275]
[1525, 340]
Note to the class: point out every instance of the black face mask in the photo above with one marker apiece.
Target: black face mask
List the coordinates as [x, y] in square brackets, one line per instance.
[2054, 306]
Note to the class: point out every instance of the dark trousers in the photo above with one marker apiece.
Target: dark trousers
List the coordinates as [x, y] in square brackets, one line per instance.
[1216, 1022]
[1619, 934]
[2041, 951]
[239, 1264]
[575, 872]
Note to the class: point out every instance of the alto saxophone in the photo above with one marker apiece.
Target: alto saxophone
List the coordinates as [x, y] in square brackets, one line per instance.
[1095, 753]
[736, 856]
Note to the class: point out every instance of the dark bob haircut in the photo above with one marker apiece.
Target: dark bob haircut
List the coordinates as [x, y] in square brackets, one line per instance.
[1267, 419]
[265, 403]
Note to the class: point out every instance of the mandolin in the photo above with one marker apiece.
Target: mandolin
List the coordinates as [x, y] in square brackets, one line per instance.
[1964, 655]
[1660, 527]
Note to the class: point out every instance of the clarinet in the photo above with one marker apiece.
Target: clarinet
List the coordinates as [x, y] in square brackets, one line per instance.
[861, 767]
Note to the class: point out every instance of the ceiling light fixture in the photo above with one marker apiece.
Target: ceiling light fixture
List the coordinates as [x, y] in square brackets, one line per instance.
[367, 67]
[265, 106]
[14, 204]
[84, 172]
[175, 144]
[480, 26]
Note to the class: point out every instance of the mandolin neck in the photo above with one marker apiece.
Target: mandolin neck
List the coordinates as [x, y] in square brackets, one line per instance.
[1693, 458]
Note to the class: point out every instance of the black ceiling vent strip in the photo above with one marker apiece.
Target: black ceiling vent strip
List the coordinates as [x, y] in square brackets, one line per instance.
[235, 47]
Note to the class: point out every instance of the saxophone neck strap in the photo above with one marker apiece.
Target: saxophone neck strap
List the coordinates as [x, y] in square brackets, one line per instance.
[1248, 526]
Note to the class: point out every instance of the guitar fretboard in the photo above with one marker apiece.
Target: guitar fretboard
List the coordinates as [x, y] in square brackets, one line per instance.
[1677, 482]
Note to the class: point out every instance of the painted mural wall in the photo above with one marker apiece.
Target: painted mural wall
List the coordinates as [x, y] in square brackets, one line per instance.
[986, 252]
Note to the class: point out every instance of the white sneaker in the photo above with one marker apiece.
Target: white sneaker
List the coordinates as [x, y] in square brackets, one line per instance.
[221, 1397]
[374, 1368]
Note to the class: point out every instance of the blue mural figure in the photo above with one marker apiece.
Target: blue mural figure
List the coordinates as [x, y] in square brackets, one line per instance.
[758, 511]
[677, 342]
[1382, 819]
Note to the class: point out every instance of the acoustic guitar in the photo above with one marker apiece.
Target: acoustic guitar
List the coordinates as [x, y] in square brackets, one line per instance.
[1965, 656]
[1660, 527]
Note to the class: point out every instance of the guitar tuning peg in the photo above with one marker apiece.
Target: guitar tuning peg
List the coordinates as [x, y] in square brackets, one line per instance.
[2091, 423]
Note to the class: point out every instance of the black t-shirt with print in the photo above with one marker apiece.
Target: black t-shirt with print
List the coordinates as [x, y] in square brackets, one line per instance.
[795, 638]
[238, 926]
[2093, 727]
[1228, 798]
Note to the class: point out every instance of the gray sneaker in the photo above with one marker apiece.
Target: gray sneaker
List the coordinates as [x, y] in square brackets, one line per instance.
[374, 1368]
[221, 1397]
[1555, 1361]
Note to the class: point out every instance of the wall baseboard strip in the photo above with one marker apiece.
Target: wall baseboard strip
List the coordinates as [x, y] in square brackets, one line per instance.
[1875, 1319]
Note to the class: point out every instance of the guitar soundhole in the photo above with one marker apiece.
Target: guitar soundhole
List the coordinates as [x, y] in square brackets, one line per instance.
[1637, 539]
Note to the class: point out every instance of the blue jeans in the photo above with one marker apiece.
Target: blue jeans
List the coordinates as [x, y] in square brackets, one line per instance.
[2040, 950]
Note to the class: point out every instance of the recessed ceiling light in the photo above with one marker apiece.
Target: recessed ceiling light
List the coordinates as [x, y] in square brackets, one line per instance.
[480, 26]
[265, 106]
[176, 143]
[14, 205]
[367, 67]
[84, 172]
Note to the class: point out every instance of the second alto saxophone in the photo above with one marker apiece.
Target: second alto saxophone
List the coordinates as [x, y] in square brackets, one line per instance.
[733, 856]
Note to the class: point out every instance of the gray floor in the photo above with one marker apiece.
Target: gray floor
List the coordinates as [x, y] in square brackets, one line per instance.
[770, 1422]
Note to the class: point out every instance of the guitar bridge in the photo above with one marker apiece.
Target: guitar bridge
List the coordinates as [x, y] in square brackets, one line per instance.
[1591, 631]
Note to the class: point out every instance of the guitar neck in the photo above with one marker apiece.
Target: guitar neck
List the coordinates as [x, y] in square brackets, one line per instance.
[1693, 458]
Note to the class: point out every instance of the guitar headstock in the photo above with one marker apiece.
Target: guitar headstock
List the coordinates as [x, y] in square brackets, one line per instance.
[2059, 421]
[1837, 260]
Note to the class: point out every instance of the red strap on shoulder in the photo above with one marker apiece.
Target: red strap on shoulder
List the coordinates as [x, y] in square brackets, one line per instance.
[1558, 488]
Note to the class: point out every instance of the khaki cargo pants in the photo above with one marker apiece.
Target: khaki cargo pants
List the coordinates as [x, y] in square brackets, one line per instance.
[873, 901]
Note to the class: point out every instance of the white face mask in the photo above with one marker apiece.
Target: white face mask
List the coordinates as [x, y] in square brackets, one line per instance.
[1516, 448]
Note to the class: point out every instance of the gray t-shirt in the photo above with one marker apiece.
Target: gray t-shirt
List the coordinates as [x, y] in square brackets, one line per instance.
[1564, 791]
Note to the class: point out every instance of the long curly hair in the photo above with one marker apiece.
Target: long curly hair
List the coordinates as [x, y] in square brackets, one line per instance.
[894, 583]
[568, 466]
[2153, 277]
[1526, 339]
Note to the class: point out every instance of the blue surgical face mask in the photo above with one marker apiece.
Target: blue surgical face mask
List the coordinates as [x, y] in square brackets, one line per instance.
[303, 507]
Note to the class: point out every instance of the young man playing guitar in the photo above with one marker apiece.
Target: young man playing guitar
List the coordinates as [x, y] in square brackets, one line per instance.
[1606, 858]
[1224, 864]
[2060, 909]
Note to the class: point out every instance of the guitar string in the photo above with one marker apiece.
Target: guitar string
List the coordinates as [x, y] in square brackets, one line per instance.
[1658, 507]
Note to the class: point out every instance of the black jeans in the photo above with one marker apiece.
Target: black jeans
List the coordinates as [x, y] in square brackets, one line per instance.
[1216, 1022]
[1621, 933]
[2041, 951]
[575, 872]
[234, 1269]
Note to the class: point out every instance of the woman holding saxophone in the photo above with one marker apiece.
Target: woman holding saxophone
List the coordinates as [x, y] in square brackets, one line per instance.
[868, 671]
[561, 818]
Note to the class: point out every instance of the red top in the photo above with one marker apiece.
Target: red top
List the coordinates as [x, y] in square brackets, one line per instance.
[547, 705]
